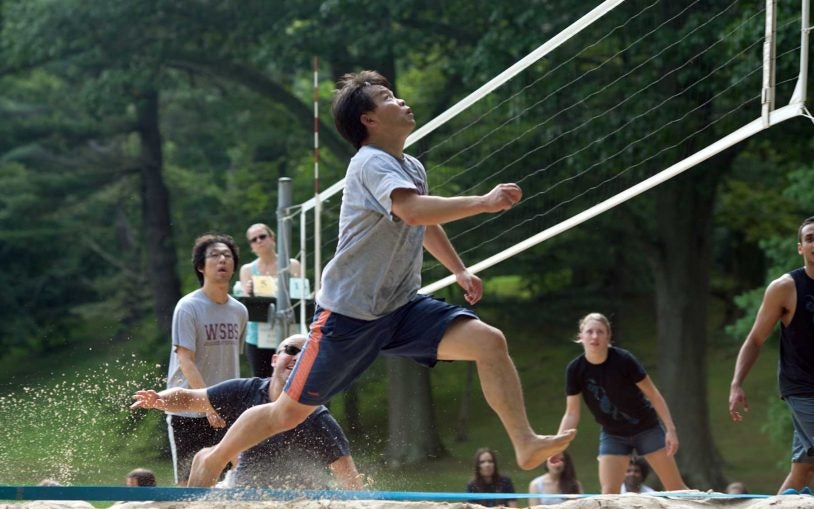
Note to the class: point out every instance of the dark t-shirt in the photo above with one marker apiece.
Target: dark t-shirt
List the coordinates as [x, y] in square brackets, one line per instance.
[503, 485]
[297, 458]
[610, 391]
[795, 370]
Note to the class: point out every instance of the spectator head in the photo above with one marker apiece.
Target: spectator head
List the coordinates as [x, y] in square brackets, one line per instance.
[140, 477]
[637, 472]
[737, 488]
[485, 466]
[203, 245]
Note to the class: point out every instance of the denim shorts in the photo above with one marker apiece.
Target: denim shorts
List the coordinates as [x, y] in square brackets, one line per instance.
[802, 416]
[340, 348]
[645, 442]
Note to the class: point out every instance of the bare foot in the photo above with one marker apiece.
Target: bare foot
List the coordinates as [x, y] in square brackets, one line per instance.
[204, 471]
[532, 454]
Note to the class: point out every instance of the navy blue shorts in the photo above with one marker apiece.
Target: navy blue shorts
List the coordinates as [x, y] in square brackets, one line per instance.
[339, 348]
[645, 442]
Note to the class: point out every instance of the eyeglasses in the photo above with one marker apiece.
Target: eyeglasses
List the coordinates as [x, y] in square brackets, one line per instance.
[262, 236]
[218, 254]
[292, 350]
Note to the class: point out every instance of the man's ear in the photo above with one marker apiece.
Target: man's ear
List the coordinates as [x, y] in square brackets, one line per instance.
[367, 119]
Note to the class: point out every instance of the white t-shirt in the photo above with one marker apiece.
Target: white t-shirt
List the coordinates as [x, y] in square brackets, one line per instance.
[377, 265]
[214, 332]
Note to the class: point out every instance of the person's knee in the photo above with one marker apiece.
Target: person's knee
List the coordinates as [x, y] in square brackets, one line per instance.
[291, 416]
[490, 341]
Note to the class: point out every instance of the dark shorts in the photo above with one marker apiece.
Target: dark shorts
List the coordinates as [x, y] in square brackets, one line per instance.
[650, 440]
[189, 435]
[339, 348]
[802, 417]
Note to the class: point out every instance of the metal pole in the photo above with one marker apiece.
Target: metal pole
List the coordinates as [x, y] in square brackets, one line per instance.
[317, 201]
[769, 52]
[284, 314]
[303, 272]
[800, 91]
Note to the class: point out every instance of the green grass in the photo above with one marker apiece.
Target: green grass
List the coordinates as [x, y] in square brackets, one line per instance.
[72, 424]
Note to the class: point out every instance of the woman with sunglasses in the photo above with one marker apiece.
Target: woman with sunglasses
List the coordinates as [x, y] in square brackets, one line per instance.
[259, 339]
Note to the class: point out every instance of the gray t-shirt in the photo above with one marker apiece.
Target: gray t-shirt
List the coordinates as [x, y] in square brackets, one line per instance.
[214, 332]
[377, 265]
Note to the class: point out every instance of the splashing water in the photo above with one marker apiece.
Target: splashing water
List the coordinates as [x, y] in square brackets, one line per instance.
[80, 429]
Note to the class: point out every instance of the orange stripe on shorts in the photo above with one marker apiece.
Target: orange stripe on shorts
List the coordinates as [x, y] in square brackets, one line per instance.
[308, 357]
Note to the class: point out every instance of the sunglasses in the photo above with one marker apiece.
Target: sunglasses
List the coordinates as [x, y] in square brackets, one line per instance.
[262, 236]
[292, 350]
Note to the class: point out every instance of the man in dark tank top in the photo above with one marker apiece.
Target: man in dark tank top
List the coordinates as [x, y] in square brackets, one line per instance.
[789, 300]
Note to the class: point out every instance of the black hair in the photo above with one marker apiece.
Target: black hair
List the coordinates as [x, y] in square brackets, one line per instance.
[479, 480]
[351, 101]
[202, 243]
[806, 222]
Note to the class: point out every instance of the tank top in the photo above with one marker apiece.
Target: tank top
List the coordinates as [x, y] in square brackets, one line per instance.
[795, 371]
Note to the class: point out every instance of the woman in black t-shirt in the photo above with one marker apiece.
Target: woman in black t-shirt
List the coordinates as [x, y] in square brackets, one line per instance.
[627, 405]
[488, 480]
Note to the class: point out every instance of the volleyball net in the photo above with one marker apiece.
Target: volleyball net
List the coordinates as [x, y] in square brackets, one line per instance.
[626, 97]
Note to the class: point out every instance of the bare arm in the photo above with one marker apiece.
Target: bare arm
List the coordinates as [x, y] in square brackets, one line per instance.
[345, 473]
[774, 307]
[176, 399]
[246, 279]
[439, 246]
[660, 406]
[570, 420]
[415, 209]
[186, 360]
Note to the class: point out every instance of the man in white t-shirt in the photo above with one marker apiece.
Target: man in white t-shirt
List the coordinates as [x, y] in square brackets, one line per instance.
[369, 304]
[208, 327]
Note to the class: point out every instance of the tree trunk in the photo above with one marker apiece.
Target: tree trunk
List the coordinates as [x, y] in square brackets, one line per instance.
[412, 434]
[681, 265]
[160, 259]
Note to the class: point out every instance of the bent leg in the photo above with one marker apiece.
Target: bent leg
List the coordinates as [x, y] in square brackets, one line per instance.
[252, 427]
[666, 469]
[472, 340]
[612, 468]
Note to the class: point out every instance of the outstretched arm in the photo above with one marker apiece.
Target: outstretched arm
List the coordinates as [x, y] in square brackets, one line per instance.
[173, 400]
[416, 209]
[660, 406]
[772, 309]
[570, 420]
[186, 360]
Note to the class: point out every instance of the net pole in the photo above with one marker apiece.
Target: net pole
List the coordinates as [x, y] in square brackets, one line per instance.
[303, 274]
[768, 93]
[800, 91]
[731, 139]
[317, 201]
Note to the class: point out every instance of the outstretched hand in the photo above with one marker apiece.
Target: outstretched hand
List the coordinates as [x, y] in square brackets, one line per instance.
[148, 399]
[471, 284]
[503, 197]
[737, 397]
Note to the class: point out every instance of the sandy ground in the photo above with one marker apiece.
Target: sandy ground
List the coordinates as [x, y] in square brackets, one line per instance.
[627, 501]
